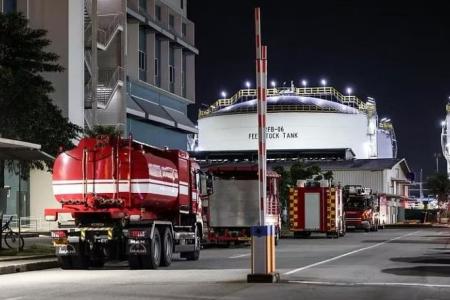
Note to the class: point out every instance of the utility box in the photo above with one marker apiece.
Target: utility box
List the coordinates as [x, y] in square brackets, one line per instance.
[315, 207]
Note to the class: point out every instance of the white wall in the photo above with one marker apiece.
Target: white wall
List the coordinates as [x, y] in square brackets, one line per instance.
[309, 131]
[370, 179]
[63, 19]
[41, 193]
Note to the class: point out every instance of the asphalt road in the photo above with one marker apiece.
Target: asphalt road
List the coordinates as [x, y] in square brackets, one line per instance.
[389, 264]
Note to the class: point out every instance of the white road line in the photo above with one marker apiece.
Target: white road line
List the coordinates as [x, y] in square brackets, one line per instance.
[413, 284]
[239, 255]
[346, 254]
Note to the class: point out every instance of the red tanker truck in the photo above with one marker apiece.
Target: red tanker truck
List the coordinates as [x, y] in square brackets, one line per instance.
[126, 200]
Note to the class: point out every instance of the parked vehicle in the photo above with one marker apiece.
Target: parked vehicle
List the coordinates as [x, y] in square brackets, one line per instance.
[315, 206]
[234, 207]
[361, 208]
[126, 200]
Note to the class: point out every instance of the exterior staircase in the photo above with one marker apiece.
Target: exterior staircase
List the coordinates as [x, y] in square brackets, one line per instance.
[108, 79]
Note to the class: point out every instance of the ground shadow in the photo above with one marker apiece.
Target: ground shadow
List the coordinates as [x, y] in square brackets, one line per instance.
[441, 242]
[423, 271]
[422, 260]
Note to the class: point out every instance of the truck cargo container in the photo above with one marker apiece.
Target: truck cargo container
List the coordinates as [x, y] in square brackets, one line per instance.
[234, 207]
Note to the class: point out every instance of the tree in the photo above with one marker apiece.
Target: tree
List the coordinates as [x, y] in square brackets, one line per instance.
[285, 182]
[27, 112]
[439, 185]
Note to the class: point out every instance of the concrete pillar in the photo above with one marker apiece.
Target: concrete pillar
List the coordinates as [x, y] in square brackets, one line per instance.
[132, 50]
[190, 77]
[178, 70]
[75, 69]
[151, 8]
[151, 57]
[23, 7]
[165, 64]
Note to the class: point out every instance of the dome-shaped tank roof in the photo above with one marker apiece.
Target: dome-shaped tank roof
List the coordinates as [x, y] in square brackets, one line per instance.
[286, 103]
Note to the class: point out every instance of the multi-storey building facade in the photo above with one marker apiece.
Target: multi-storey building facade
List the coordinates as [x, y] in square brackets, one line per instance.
[128, 63]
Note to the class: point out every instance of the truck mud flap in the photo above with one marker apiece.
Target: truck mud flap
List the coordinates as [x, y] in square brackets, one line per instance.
[138, 247]
[67, 250]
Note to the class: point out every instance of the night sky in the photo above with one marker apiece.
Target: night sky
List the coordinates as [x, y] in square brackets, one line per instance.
[398, 54]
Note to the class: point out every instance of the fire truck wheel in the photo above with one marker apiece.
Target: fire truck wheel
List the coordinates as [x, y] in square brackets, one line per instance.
[153, 259]
[166, 248]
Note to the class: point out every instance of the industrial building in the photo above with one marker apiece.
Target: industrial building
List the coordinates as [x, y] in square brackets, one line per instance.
[318, 125]
[129, 64]
[311, 119]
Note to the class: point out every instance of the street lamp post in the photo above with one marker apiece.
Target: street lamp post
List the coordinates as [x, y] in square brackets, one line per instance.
[437, 156]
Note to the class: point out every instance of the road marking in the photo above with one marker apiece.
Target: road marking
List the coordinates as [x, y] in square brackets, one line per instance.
[239, 255]
[346, 254]
[412, 284]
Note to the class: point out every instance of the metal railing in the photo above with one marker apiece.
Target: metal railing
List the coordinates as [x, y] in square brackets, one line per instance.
[30, 224]
[328, 93]
[88, 59]
[108, 80]
[108, 26]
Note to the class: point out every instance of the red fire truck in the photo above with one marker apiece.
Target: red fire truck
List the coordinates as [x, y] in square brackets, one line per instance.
[361, 208]
[126, 200]
[315, 206]
[233, 207]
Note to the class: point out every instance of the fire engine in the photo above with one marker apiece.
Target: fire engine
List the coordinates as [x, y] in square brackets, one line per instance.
[233, 207]
[316, 206]
[126, 200]
[361, 208]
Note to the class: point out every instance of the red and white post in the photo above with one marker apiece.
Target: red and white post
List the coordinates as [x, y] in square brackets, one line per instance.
[263, 236]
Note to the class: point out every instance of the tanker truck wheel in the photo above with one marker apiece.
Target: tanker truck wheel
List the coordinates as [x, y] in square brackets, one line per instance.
[166, 247]
[153, 259]
[194, 255]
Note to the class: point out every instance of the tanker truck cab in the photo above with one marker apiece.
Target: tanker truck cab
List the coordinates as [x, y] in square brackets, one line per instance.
[128, 201]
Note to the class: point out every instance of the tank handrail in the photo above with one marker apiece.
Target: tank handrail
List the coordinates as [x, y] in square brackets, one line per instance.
[349, 100]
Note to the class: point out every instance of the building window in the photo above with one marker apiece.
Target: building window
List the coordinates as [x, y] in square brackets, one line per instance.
[171, 22]
[142, 65]
[143, 5]
[183, 29]
[172, 69]
[182, 4]
[171, 74]
[158, 12]
[157, 62]
[183, 75]
[9, 6]
[142, 52]
[156, 67]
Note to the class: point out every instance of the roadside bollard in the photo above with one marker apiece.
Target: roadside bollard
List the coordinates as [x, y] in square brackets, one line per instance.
[263, 255]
